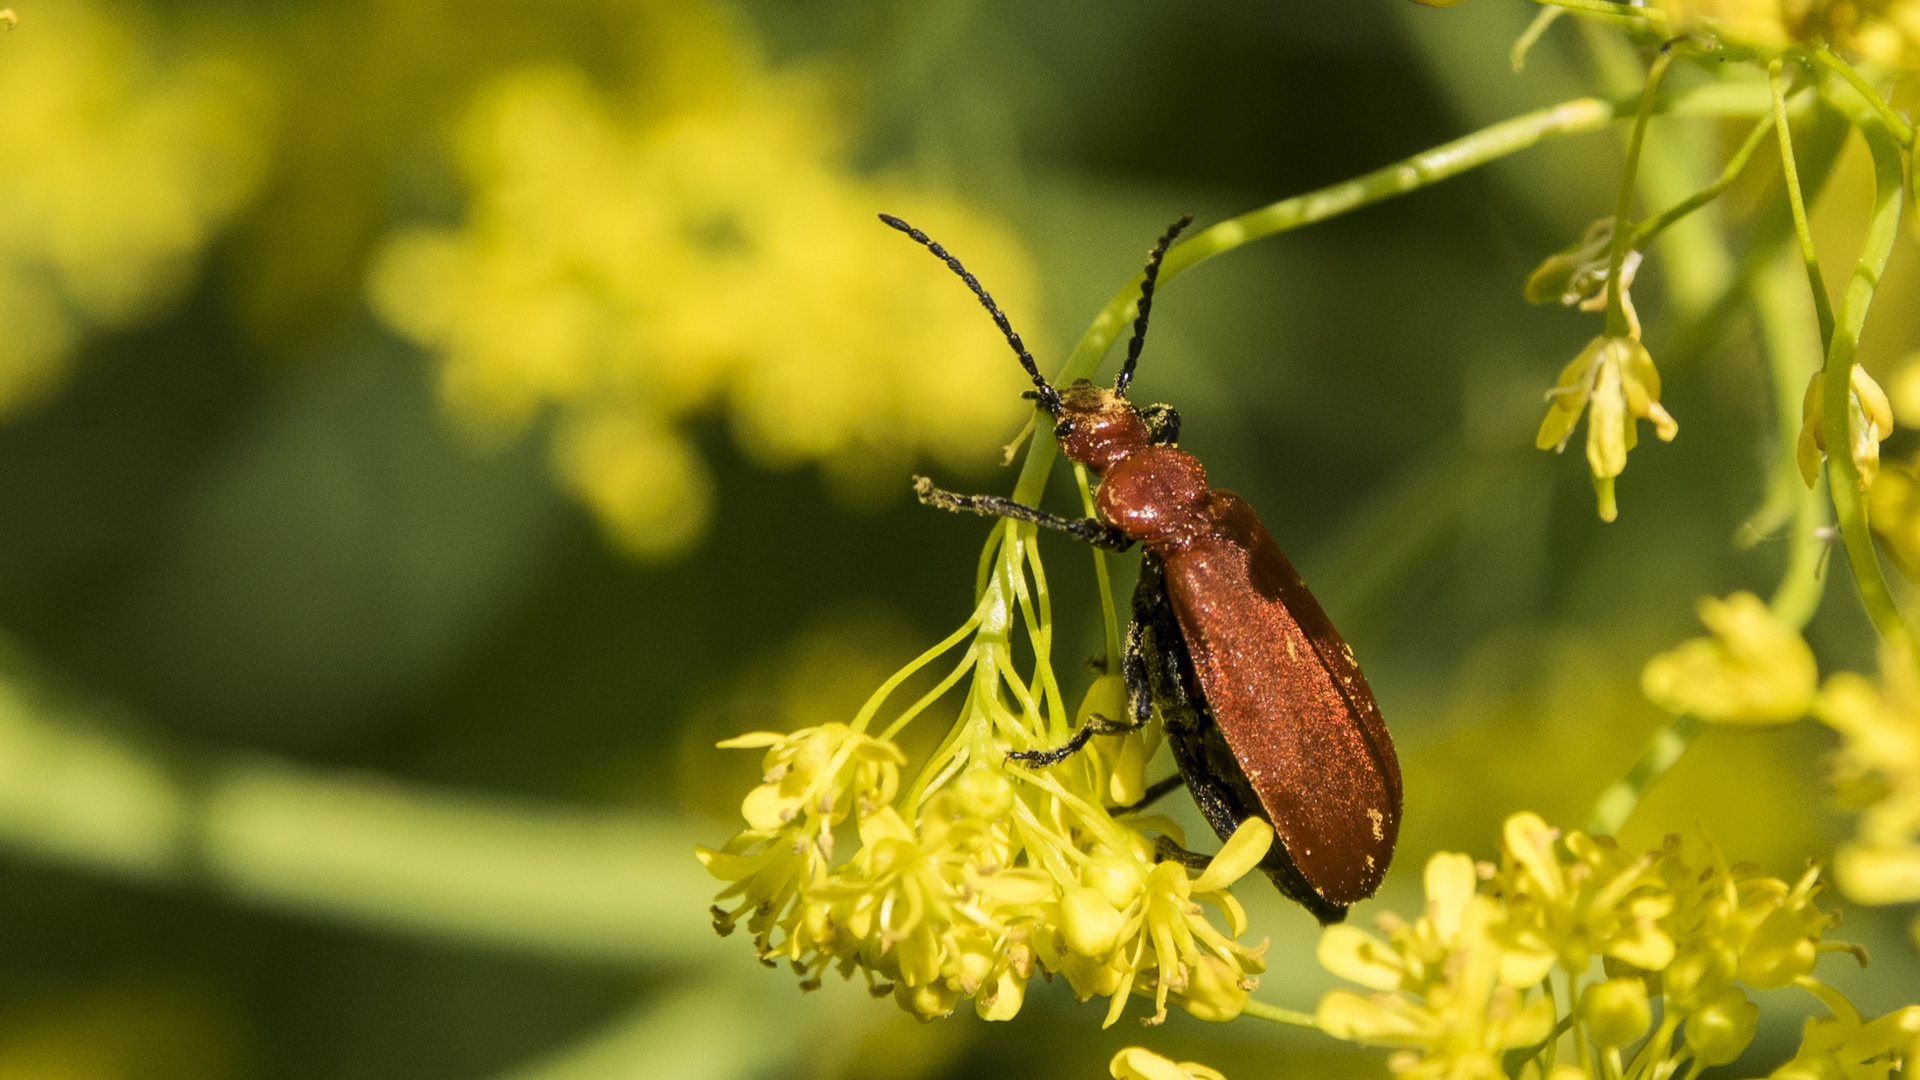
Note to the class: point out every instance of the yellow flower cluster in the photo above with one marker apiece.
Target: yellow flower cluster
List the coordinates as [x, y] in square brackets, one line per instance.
[1877, 770]
[1470, 980]
[116, 169]
[1754, 670]
[1883, 32]
[982, 873]
[629, 267]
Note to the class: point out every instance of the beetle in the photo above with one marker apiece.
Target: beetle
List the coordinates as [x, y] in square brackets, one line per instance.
[1264, 708]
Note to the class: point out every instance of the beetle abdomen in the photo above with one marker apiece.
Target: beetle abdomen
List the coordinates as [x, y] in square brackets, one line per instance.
[1289, 702]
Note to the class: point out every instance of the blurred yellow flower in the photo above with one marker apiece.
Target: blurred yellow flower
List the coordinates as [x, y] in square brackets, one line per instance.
[117, 167]
[1139, 1063]
[631, 269]
[1753, 670]
[1883, 32]
[1877, 770]
[1893, 510]
[1614, 381]
[1869, 420]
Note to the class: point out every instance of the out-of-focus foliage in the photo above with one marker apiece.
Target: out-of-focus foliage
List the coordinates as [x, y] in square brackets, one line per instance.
[349, 351]
[632, 266]
[125, 147]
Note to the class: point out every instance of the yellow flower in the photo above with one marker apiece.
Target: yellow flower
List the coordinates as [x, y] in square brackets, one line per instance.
[981, 873]
[1754, 670]
[1139, 1063]
[1445, 996]
[1467, 981]
[1893, 510]
[1845, 1047]
[1614, 378]
[1869, 420]
[635, 268]
[1884, 32]
[122, 156]
[1878, 770]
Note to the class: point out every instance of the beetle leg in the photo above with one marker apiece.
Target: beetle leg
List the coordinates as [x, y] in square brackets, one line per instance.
[1092, 530]
[1165, 850]
[1163, 425]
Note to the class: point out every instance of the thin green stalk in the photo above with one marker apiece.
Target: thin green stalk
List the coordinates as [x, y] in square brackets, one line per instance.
[1109, 618]
[1617, 803]
[1822, 304]
[1843, 476]
[1411, 174]
[1784, 313]
[1279, 1015]
[1517, 56]
[1896, 123]
[1735, 166]
[1618, 325]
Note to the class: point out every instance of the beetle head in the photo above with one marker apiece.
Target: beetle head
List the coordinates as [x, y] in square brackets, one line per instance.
[1097, 427]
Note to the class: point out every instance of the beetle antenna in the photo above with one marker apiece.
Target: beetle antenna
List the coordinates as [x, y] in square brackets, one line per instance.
[1146, 302]
[1047, 394]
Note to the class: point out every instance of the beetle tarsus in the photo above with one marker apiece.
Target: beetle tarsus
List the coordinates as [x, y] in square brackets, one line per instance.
[1091, 530]
[1095, 725]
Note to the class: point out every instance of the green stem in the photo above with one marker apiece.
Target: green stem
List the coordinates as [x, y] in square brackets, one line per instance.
[1279, 1015]
[1735, 166]
[1618, 324]
[1784, 315]
[1822, 304]
[1411, 174]
[1617, 803]
[1843, 475]
[1896, 123]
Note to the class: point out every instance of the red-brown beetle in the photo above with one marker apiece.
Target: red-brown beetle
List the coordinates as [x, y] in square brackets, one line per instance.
[1264, 708]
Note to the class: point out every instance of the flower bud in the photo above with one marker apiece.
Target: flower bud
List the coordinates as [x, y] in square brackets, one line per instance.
[1091, 924]
[1616, 1011]
[1114, 877]
[1003, 1001]
[1721, 1029]
[1213, 991]
[1699, 974]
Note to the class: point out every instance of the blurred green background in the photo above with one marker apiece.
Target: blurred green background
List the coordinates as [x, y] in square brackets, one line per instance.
[361, 673]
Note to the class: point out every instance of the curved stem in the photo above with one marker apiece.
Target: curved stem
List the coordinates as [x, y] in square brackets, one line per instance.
[1843, 475]
[1896, 123]
[1648, 230]
[1411, 174]
[1822, 304]
[1618, 325]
